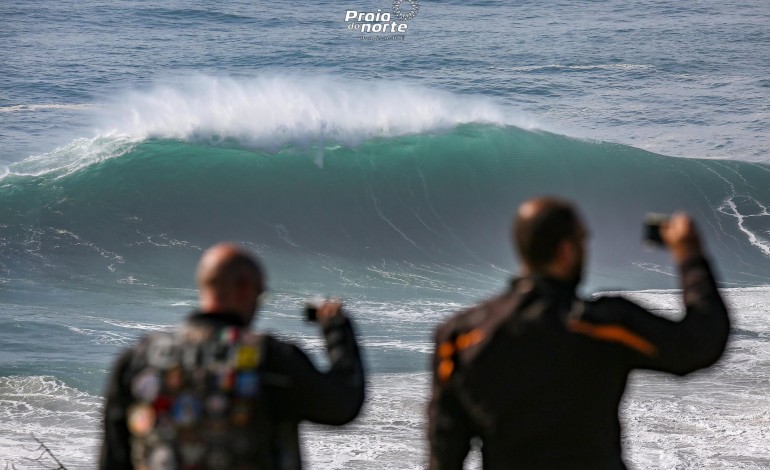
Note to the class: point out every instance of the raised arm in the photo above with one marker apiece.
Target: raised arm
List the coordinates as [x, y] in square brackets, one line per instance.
[701, 337]
[650, 341]
[334, 396]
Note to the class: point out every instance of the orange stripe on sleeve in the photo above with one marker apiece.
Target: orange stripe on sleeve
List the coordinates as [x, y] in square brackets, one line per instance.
[469, 339]
[445, 369]
[615, 334]
[445, 350]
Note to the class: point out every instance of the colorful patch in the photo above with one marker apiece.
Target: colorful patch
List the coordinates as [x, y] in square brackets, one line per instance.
[162, 404]
[162, 352]
[226, 380]
[174, 379]
[247, 357]
[191, 357]
[186, 410]
[141, 419]
[216, 405]
[146, 385]
[229, 335]
[162, 458]
[246, 384]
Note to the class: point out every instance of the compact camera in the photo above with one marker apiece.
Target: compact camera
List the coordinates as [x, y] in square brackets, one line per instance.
[311, 307]
[652, 226]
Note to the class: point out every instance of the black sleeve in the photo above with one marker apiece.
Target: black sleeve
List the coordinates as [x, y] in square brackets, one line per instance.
[334, 396]
[680, 347]
[449, 429]
[116, 451]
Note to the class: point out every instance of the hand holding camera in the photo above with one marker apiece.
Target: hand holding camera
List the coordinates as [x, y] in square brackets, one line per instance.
[677, 233]
[321, 309]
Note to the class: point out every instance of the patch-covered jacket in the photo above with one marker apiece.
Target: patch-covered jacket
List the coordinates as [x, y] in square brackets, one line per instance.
[214, 395]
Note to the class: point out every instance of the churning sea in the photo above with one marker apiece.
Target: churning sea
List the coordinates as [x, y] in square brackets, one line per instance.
[380, 167]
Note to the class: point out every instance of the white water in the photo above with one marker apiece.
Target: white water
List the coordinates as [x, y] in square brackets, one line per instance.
[265, 112]
[718, 418]
[272, 111]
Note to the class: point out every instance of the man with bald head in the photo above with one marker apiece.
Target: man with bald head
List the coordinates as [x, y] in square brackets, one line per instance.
[537, 374]
[214, 395]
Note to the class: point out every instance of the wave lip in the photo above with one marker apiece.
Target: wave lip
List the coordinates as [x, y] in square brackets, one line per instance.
[265, 112]
[273, 111]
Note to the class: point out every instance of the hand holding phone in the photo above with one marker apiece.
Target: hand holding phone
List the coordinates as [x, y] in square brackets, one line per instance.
[676, 232]
[319, 308]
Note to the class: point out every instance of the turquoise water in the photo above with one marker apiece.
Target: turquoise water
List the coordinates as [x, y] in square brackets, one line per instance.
[133, 136]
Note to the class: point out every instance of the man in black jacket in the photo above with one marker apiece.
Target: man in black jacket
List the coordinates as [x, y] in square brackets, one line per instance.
[214, 395]
[537, 374]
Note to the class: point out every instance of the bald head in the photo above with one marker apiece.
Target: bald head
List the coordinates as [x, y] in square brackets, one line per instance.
[543, 226]
[229, 280]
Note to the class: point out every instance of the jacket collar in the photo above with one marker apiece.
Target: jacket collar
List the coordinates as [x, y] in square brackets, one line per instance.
[550, 286]
[217, 319]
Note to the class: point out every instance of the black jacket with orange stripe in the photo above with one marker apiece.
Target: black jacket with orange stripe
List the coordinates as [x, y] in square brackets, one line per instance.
[538, 374]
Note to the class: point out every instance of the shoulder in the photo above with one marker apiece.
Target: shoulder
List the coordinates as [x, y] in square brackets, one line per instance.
[470, 317]
[280, 353]
[130, 354]
[139, 351]
[612, 309]
[611, 302]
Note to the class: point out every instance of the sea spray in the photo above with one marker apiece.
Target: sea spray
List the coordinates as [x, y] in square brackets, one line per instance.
[273, 111]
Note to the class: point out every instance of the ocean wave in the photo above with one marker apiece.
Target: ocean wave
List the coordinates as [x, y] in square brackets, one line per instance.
[103, 337]
[273, 111]
[47, 106]
[535, 68]
[410, 212]
[265, 112]
[132, 325]
[72, 157]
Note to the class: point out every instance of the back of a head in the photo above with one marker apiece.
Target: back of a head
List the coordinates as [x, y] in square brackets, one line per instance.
[225, 270]
[541, 225]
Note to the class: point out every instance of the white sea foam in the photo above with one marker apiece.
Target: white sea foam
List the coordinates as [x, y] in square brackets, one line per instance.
[38, 107]
[103, 337]
[272, 111]
[131, 325]
[265, 112]
[389, 434]
[64, 418]
[536, 68]
[74, 156]
[718, 418]
[656, 268]
[729, 207]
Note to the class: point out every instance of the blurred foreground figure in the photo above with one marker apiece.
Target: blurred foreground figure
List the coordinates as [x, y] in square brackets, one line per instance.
[214, 395]
[537, 374]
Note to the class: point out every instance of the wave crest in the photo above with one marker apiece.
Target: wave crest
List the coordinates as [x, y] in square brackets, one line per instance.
[273, 111]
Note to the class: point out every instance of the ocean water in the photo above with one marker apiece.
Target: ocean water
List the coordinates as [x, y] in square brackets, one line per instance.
[382, 169]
